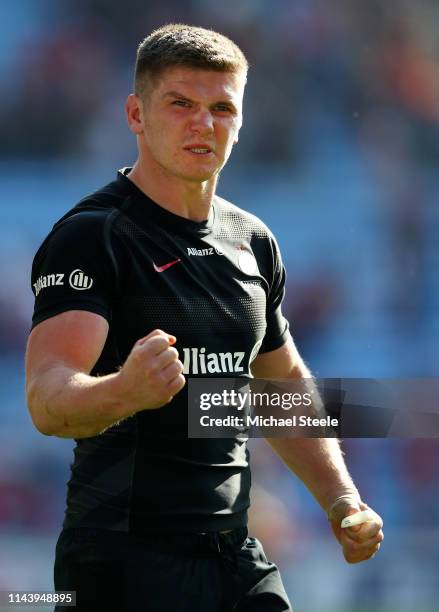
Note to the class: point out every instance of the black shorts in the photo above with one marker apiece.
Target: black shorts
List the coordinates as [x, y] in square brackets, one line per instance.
[115, 571]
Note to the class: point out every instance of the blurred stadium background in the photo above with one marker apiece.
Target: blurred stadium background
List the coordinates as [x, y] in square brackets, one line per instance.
[339, 155]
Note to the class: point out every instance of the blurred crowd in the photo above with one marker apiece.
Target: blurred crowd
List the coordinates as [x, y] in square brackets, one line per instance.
[338, 153]
[369, 69]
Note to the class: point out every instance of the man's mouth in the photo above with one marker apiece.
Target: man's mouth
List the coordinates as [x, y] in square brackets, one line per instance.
[199, 150]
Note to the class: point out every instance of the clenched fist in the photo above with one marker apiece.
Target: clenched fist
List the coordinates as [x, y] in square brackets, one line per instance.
[360, 542]
[152, 373]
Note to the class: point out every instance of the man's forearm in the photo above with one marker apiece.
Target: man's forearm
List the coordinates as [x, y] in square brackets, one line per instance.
[71, 404]
[319, 463]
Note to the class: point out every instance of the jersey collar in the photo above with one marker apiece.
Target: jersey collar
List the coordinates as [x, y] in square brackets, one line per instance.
[145, 206]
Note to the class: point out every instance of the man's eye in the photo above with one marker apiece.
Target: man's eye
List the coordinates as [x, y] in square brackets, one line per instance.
[183, 103]
[223, 108]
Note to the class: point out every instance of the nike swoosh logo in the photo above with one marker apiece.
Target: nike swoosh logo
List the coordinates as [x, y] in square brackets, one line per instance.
[165, 266]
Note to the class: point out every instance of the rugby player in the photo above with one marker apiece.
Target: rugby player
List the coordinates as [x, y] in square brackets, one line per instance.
[134, 287]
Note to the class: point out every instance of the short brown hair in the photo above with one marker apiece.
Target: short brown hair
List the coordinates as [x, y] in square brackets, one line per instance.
[178, 44]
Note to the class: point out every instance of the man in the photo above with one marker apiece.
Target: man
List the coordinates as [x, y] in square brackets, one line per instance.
[152, 267]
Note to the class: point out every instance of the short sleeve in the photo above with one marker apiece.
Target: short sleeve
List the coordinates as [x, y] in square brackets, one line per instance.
[277, 326]
[74, 269]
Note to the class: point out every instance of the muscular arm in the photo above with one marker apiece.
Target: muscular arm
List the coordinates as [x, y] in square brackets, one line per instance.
[319, 463]
[65, 401]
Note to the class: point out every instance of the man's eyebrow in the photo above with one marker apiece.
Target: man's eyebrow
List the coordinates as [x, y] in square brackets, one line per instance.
[177, 94]
[174, 94]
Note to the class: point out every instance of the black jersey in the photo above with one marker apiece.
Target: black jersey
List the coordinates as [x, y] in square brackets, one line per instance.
[217, 286]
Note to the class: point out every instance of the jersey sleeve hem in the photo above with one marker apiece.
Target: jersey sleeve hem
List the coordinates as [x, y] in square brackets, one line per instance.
[275, 343]
[81, 304]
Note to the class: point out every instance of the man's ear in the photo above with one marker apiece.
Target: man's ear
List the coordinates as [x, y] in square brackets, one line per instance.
[134, 114]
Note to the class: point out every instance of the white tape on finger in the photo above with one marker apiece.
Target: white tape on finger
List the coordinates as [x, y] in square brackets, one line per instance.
[358, 518]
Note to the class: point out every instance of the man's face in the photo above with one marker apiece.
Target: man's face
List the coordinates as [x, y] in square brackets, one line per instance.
[191, 119]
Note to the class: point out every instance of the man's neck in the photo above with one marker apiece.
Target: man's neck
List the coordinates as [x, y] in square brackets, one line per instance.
[189, 199]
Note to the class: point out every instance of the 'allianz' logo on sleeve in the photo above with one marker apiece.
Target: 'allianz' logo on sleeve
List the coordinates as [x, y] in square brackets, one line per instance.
[77, 280]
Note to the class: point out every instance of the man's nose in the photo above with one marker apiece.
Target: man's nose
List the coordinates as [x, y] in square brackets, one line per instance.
[202, 121]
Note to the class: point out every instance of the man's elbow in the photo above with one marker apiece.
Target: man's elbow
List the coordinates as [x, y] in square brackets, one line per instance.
[43, 428]
[48, 426]
[38, 413]
[41, 423]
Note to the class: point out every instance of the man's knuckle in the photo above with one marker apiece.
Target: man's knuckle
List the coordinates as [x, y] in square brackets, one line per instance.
[153, 368]
[157, 339]
[156, 343]
[178, 367]
[171, 371]
[178, 382]
[354, 547]
[173, 351]
[174, 378]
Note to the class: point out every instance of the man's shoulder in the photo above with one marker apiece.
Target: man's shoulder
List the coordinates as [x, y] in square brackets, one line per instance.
[237, 220]
[95, 208]
[88, 223]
